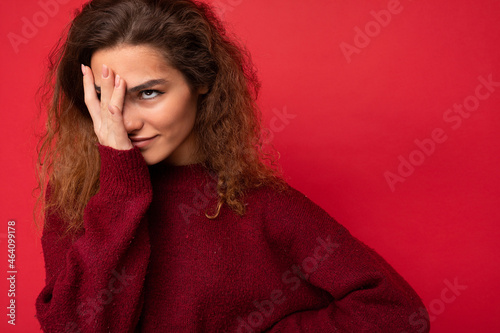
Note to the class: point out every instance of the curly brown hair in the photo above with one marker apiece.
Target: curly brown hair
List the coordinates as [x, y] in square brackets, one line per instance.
[194, 41]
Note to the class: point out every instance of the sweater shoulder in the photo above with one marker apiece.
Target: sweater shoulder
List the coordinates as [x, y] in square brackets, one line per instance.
[289, 202]
[290, 214]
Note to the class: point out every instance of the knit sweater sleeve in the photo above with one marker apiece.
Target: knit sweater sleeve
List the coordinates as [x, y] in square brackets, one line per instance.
[363, 292]
[94, 283]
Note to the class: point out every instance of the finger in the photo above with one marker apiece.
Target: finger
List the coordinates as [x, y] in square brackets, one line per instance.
[90, 95]
[107, 87]
[118, 96]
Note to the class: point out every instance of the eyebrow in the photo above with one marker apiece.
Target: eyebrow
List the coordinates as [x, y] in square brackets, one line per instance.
[145, 85]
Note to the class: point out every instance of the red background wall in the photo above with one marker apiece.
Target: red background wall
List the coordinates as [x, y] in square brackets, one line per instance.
[352, 118]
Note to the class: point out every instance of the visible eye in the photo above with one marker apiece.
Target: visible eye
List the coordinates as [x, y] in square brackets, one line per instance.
[145, 94]
[150, 94]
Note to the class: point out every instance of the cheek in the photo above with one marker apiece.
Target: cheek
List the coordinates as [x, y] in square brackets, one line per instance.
[173, 114]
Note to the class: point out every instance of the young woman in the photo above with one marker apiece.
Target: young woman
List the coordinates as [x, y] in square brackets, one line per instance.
[163, 212]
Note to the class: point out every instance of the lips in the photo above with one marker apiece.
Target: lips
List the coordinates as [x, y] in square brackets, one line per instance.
[141, 142]
[139, 139]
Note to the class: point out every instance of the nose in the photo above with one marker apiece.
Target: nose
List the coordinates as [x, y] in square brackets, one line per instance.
[132, 119]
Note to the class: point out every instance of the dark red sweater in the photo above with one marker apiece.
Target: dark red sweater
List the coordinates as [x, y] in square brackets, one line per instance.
[150, 261]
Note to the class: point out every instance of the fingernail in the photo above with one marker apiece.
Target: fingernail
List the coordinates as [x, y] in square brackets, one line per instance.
[105, 71]
[117, 81]
[83, 69]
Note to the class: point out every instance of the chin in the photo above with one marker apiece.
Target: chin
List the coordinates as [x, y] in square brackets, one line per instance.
[152, 159]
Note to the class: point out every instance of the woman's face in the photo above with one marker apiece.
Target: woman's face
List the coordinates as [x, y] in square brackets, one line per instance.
[159, 108]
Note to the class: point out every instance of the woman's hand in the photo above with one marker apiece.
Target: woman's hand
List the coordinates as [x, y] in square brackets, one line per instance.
[107, 113]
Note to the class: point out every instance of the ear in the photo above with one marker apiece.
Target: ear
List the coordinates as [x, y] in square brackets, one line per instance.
[203, 90]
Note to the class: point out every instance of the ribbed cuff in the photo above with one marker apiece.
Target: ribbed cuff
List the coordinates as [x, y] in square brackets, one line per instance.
[123, 171]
